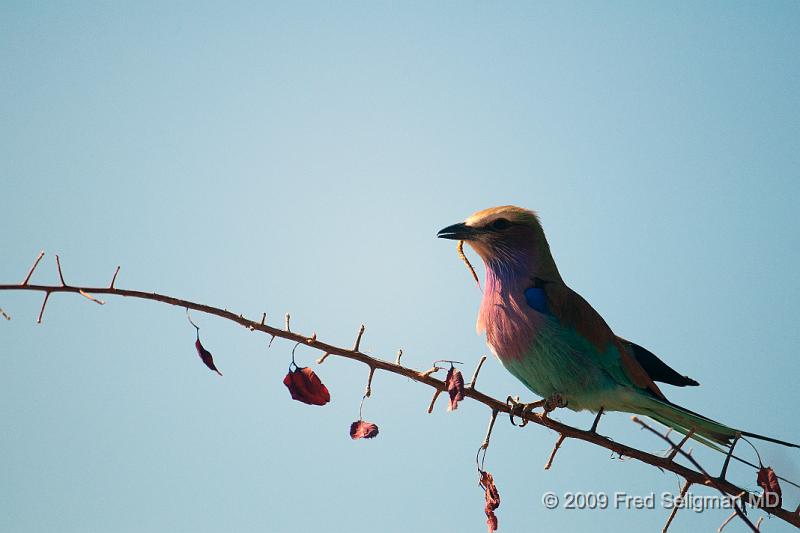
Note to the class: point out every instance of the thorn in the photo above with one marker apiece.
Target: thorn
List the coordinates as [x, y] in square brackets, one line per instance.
[433, 400]
[485, 445]
[270, 341]
[429, 372]
[675, 449]
[41, 311]
[35, 264]
[725, 523]
[560, 440]
[399, 355]
[368, 390]
[312, 339]
[114, 278]
[358, 338]
[758, 522]
[322, 359]
[475, 374]
[287, 322]
[676, 507]
[4, 315]
[60, 275]
[263, 318]
[90, 297]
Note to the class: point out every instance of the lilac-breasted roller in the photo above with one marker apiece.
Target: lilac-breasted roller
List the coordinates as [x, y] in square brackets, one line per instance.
[552, 340]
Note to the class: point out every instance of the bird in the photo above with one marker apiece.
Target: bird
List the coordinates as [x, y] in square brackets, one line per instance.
[553, 341]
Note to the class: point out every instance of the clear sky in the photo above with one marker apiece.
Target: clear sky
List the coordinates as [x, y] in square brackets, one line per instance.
[301, 157]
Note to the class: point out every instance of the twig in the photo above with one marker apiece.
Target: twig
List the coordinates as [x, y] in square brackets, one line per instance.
[560, 440]
[475, 374]
[114, 278]
[676, 507]
[60, 274]
[33, 267]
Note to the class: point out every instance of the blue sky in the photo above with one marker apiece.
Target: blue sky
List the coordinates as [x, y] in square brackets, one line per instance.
[301, 157]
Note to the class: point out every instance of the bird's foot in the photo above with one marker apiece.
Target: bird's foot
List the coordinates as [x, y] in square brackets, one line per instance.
[520, 410]
[554, 402]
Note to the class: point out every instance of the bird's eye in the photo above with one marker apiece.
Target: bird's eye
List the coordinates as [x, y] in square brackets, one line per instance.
[500, 224]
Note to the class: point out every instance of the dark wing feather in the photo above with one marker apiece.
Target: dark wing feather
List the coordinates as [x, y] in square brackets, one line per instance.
[657, 369]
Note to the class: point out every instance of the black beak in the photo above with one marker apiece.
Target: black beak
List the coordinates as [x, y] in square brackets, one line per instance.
[457, 232]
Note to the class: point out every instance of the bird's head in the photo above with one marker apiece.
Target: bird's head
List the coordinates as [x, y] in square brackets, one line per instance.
[506, 238]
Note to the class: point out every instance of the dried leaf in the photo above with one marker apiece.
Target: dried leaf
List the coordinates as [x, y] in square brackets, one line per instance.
[492, 499]
[206, 357]
[306, 387]
[768, 480]
[361, 429]
[455, 387]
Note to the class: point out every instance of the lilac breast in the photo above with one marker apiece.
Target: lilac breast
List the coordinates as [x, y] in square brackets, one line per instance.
[508, 320]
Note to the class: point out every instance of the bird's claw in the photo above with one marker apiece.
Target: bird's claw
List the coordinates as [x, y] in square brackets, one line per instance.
[521, 410]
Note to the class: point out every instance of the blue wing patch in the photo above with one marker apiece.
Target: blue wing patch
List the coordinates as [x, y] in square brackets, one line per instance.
[537, 299]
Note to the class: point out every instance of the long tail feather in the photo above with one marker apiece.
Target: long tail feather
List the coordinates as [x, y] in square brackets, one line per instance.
[770, 439]
[707, 431]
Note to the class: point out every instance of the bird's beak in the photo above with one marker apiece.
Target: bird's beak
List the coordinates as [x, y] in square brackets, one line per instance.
[457, 232]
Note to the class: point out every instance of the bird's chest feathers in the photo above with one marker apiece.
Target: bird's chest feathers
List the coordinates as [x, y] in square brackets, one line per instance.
[511, 325]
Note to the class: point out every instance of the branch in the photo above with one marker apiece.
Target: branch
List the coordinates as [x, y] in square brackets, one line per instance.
[692, 476]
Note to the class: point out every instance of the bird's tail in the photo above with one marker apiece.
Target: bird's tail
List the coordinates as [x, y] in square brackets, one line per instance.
[709, 432]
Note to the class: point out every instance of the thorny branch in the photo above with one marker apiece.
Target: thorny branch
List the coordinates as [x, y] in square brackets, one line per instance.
[691, 476]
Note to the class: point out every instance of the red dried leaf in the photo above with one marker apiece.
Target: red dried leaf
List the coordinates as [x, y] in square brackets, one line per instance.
[206, 357]
[455, 387]
[492, 500]
[768, 480]
[361, 429]
[306, 387]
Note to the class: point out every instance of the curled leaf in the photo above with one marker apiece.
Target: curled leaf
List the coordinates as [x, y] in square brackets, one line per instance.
[361, 429]
[492, 499]
[205, 356]
[455, 387]
[768, 480]
[306, 387]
